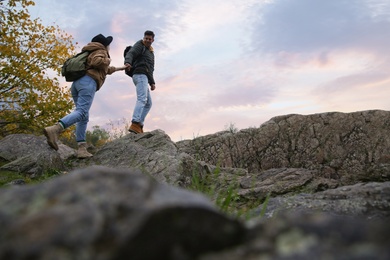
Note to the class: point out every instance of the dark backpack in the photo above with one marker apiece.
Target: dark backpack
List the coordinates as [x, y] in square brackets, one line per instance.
[75, 67]
[131, 71]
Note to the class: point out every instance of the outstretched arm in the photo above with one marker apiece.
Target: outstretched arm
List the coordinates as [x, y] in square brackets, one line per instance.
[115, 69]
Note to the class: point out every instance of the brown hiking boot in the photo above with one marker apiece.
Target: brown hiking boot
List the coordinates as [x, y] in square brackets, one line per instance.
[52, 133]
[135, 128]
[82, 152]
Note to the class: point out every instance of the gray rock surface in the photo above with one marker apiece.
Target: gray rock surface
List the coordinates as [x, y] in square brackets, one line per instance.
[345, 147]
[31, 154]
[155, 154]
[101, 213]
[321, 181]
[365, 200]
[298, 235]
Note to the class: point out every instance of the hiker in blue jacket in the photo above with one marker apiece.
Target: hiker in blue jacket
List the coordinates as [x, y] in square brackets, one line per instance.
[83, 92]
[140, 59]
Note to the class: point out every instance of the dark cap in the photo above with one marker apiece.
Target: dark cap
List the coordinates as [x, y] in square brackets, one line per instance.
[103, 40]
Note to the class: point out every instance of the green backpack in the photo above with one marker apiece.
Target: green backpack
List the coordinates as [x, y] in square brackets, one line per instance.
[75, 67]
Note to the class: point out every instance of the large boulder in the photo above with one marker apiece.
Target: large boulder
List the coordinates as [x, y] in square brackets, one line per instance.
[31, 154]
[300, 235]
[101, 213]
[155, 154]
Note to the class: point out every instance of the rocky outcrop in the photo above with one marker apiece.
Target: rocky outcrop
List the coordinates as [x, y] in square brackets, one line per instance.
[30, 154]
[101, 213]
[345, 147]
[365, 200]
[302, 185]
[154, 153]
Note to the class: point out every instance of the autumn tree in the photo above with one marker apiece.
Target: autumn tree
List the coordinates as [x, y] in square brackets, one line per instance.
[31, 56]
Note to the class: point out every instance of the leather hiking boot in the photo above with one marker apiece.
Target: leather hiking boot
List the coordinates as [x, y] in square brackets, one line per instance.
[82, 151]
[52, 134]
[135, 128]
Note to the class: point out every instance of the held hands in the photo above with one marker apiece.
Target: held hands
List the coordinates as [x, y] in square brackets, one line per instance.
[127, 66]
[121, 68]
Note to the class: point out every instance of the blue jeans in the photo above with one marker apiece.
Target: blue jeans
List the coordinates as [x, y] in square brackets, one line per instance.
[144, 99]
[83, 91]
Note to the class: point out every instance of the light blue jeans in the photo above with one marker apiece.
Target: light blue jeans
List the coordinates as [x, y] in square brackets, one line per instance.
[83, 91]
[144, 99]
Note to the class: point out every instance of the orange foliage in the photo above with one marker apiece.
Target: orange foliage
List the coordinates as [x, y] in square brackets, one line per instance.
[31, 56]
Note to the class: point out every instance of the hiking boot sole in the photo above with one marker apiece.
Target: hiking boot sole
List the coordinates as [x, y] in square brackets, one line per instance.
[50, 143]
[133, 131]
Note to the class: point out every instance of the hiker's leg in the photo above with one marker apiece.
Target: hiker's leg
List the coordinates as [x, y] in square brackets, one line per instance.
[147, 107]
[83, 93]
[141, 85]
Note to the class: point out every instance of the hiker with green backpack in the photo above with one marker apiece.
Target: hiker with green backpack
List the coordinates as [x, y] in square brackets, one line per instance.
[83, 90]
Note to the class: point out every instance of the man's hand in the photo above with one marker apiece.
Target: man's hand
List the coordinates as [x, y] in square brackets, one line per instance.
[152, 87]
[128, 66]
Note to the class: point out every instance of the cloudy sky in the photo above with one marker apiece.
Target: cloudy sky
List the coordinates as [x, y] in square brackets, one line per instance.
[226, 62]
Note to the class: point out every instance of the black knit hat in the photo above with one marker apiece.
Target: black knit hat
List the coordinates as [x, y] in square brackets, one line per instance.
[103, 40]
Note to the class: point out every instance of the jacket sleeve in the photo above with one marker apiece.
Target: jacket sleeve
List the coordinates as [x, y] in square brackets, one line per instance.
[111, 70]
[150, 68]
[99, 60]
[150, 74]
